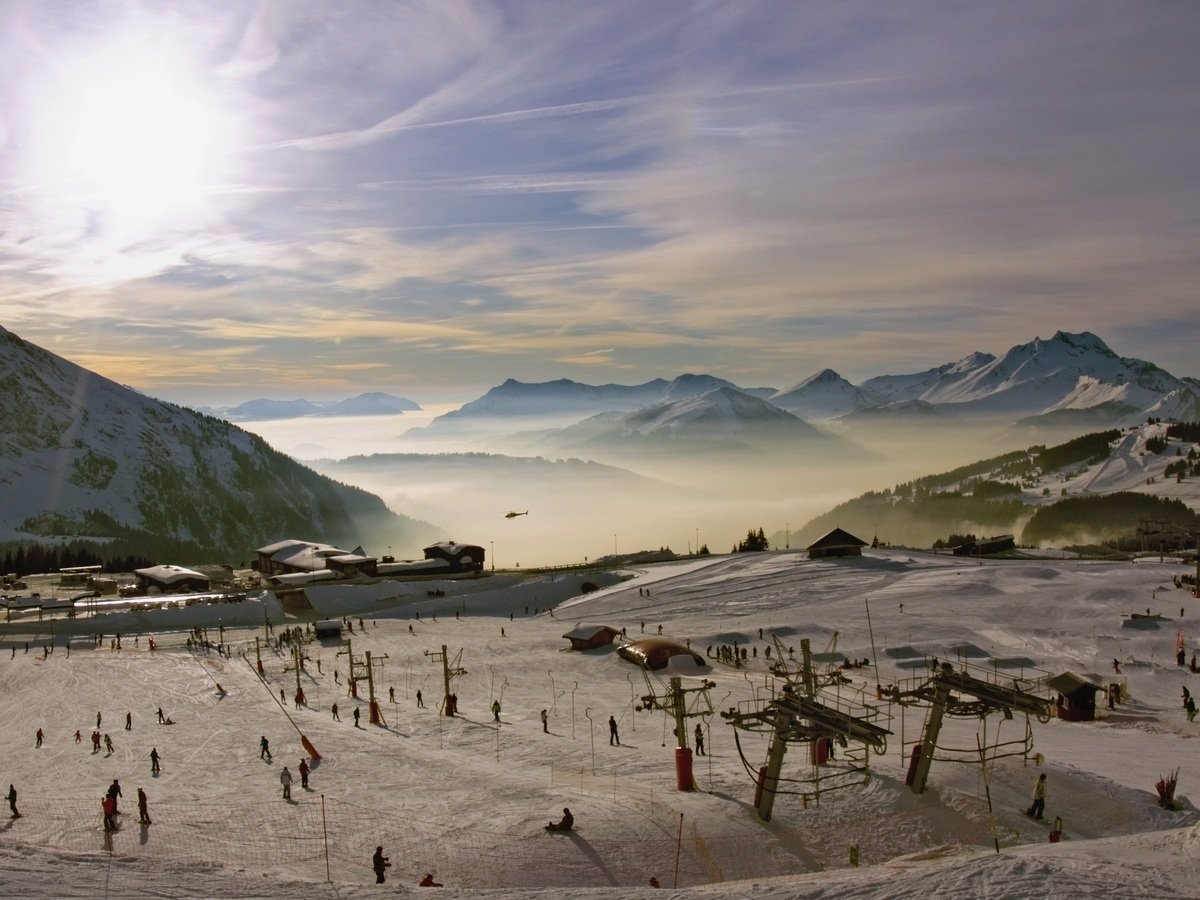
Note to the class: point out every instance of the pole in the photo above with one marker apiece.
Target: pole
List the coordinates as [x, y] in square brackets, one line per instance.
[325, 837]
[678, 851]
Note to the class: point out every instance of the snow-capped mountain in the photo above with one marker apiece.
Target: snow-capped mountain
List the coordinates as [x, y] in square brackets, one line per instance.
[825, 395]
[549, 398]
[374, 403]
[84, 457]
[1043, 377]
[721, 420]
[899, 388]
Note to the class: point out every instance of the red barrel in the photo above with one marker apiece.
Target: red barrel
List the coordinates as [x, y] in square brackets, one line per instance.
[683, 769]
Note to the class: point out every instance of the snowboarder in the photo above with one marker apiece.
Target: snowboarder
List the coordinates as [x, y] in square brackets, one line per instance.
[699, 739]
[78, 736]
[613, 737]
[1116, 665]
[143, 812]
[285, 779]
[1039, 798]
[303, 769]
[38, 738]
[495, 710]
[264, 748]
[153, 761]
[161, 718]
[336, 717]
[379, 863]
[545, 723]
[1191, 709]
[566, 823]
[12, 801]
[1186, 694]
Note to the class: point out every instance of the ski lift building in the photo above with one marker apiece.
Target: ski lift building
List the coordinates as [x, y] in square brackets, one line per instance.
[1078, 697]
[836, 543]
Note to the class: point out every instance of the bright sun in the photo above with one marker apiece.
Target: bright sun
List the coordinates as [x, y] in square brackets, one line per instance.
[129, 143]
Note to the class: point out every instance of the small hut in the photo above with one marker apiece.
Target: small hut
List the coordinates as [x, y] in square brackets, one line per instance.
[1076, 700]
[836, 543]
[589, 637]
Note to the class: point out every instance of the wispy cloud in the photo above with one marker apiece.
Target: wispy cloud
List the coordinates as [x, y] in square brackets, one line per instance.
[465, 191]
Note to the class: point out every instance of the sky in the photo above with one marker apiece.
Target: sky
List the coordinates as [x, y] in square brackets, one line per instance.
[214, 201]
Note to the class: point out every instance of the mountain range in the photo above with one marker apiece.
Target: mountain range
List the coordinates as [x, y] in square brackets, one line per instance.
[1072, 380]
[83, 458]
[373, 403]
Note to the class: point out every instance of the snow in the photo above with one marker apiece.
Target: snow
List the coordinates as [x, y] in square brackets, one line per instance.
[466, 799]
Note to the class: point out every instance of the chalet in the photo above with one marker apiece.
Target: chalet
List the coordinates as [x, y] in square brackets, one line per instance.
[170, 580]
[461, 557]
[287, 556]
[589, 637]
[986, 546]
[328, 629]
[836, 543]
[1076, 701]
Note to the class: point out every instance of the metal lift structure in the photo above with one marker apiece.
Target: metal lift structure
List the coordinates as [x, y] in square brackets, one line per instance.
[967, 692]
[673, 699]
[804, 712]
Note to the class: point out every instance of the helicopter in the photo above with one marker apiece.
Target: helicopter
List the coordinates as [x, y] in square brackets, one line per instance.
[512, 515]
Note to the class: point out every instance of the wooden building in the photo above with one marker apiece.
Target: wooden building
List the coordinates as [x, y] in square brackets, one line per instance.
[836, 543]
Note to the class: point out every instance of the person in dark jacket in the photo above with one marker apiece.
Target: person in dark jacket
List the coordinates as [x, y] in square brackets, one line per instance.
[379, 863]
[566, 823]
[143, 808]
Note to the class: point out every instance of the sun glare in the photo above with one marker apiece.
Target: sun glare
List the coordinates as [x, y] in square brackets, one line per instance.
[130, 143]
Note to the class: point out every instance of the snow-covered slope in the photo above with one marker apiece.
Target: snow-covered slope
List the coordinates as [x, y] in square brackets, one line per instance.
[465, 798]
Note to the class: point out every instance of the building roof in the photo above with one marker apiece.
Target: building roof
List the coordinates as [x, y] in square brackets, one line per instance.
[583, 632]
[1070, 683]
[169, 574]
[837, 538]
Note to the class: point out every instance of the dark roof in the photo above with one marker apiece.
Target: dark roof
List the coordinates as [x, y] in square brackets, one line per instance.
[1069, 683]
[837, 538]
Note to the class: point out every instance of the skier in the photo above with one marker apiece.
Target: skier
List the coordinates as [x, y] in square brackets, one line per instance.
[496, 710]
[78, 736]
[545, 725]
[285, 779]
[161, 718]
[420, 702]
[303, 769]
[566, 823]
[699, 739]
[12, 801]
[38, 738]
[129, 721]
[1191, 709]
[356, 725]
[1116, 665]
[264, 748]
[143, 812]
[336, 718]
[391, 695]
[114, 791]
[613, 737]
[153, 761]
[379, 863]
[108, 744]
[108, 805]
[1039, 798]
[97, 720]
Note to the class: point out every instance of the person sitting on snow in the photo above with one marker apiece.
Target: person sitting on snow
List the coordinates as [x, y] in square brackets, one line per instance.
[428, 881]
[566, 823]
